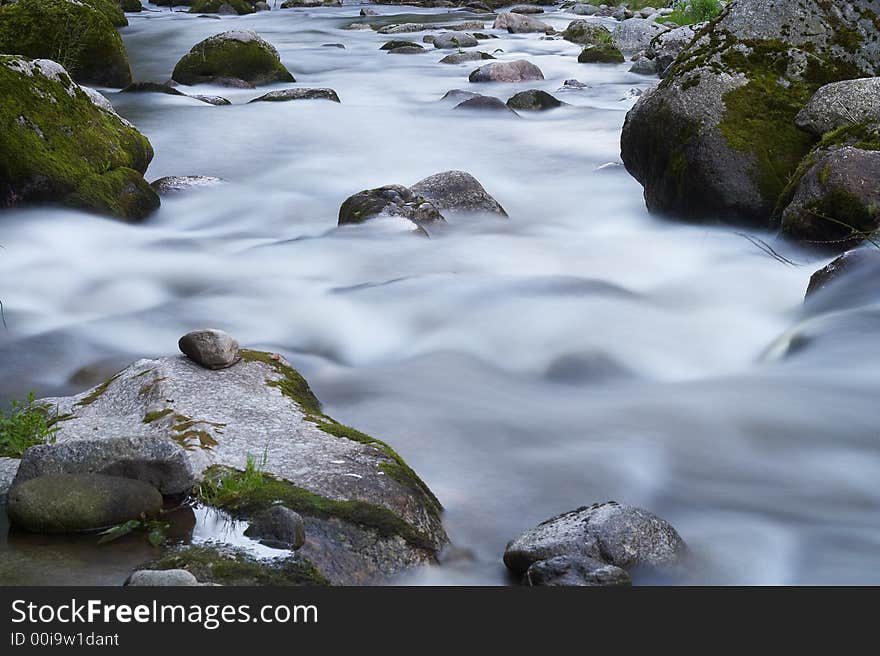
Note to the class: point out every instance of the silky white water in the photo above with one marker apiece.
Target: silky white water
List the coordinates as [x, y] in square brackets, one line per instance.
[580, 351]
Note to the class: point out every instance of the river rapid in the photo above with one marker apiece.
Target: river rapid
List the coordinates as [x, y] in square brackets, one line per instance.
[581, 351]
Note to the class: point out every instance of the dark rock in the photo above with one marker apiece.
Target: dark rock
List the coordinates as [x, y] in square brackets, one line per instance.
[644, 66]
[851, 263]
[212, 349]
[298, 94]
[485, 104]
[237, 54]
[174, 184]
[66, 503]
[459, 95]
[464, 57]
[457, 192]
[393, 44]
[407, 50]
[278, 526]
[151, 87]
[533, 100]
[228, 7]
[390, 200]
[586, 33]
[514, 71]
[575, 571]
[601, 54]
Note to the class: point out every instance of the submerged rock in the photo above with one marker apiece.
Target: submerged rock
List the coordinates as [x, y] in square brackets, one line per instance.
[229, 7]
[237, 54]
[64, 144]
[390, 200]
[298, 94]
[464, 57]
[174, 184]
[448, 40]
[397, 43]
[590, 539]
[80, 36]
[458, 192]
[514, 71]
[533, 100]
[278, 527]
[211, 348]
[161, 578]
[367, 514]
[407, 50]
[67, 503]
[485, 103]
[601, 54]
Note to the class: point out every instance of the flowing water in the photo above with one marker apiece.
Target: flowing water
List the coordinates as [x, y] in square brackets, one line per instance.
[580, 351]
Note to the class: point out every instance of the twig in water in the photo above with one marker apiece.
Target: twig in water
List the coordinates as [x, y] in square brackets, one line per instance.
[768, 249]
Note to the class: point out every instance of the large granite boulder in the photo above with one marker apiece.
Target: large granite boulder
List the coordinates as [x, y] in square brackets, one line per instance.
[717, 139]
[63, 144]
[237, 55]
[367, 514]
[840, 104]
[81, 36]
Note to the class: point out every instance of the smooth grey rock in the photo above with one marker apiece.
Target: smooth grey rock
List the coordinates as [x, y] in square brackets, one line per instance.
[519, 24]
[841, 103]
[156, 578]
[835, 204]
[584, 10]
[459, 95]
[527, 9]
[668, 45]
[66, 503]
[388, 201]
[174, 184]
[644, 66]
[282, 95]
[457, 192]
[533, 100]
[212, 100]
[575, 571]
[8, 469]
[404, 28]
[620, 535]
[262, 6]
[262, 407]
[465, 57]
[483, 103]
[278, 526]
[155, 460]
[209, 347]
[448, 40]
[635, 34]
[513, 71]
[573, 85]
[407, 50]
[586, 33]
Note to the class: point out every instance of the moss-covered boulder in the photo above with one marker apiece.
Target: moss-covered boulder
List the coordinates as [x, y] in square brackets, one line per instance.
[237, 54]
[66, 503]
[80, 36]
[241, 7]
[63, 144]
[586, 33]
[717, 139]
[255, 435]
[604, 53]
[131, 6]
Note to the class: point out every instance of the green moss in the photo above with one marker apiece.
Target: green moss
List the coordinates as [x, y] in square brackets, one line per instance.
[80, 37]
[252, 61]
[220, 488]
[155, 415]
[98, 392]
[235, 567]
[601, 54]
[213, 6]
[56, 146]
[291, 382]
[193, 439]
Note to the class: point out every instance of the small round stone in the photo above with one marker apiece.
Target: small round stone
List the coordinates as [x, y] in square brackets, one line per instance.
[211, 348]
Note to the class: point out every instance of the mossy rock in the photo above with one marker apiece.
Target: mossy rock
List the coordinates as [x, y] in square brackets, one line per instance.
[79, 36]
[58, 146]
[67, 503]
[586, 33]
[238, 54]
[112, 9]
[717, 140]
[601, 54]
[241, 7]
[132, 6]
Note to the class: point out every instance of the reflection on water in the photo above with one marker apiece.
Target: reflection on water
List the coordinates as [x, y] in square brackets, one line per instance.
[579, 351]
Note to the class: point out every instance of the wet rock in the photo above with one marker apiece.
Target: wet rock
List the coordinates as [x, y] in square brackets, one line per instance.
[483, 103]
[533, 100]
[161, 463]
[237, 54]
[464, 57]
[586, 33]
[278, 527]
[619, 535]
[407, 50]
[212, 349]
[575, 571]
[41, 29]
[223, 7]
[514, 71]
[839, 104]
[233, 83]
[404, 28]
[693, 142]
[447, 40]
[859, 260]
[333, 45]
[397, 43]
[63, 144]
[298, 94]
[519, 24]
[152, 87]
[368, 516]
[66, 503]
[635, 34]
[644, 66]
[573, 85]
[174, 184]
[527, 9]
[456, 192]
[212, 100]
[390, 200]
[835, 203]
[161, 578]
[459, 95]
[600, 54]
